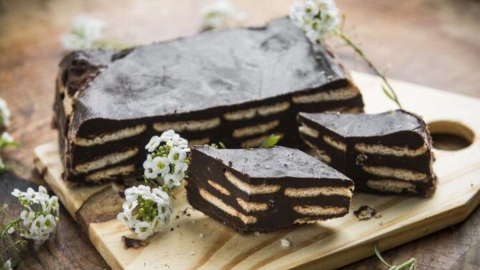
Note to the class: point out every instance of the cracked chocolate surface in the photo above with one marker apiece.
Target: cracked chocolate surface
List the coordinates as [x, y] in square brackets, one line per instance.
[190, 82]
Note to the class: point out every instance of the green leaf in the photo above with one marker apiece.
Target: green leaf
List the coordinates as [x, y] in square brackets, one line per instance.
[271, 141]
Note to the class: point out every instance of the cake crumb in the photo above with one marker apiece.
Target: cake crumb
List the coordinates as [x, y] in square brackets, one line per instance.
[258, 233]
[285, 242]
[193, 221]
[192, 253]
[201, 235]
[133, 243]
[365, 212]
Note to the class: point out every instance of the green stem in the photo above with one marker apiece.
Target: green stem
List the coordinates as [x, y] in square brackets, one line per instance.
[379, 255]
[11, 241]
[14, 244]
[389, 91]
[8, 226]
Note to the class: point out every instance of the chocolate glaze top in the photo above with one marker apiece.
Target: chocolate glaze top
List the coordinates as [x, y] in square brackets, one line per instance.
[366, 125]
[211, 69]
[275, 162]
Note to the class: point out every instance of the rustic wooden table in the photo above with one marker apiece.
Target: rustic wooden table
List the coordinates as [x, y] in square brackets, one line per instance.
[429, 42]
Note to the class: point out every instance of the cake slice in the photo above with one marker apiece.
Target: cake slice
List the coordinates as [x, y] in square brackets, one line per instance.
[236, 86]
[265, 189]
[387, 153]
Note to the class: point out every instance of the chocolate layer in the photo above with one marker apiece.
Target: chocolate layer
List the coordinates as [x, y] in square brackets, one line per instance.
[265, 189]
[236, 86]
[388, 153]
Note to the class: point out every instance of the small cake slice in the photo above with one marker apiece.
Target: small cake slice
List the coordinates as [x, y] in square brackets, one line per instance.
[265, 189]
[387, 153]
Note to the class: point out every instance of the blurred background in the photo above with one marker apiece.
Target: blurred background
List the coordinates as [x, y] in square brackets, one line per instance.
[435, 43]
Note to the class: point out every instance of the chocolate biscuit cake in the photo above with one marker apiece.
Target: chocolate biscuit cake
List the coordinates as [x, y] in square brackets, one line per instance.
[236, 86]
[387, 153]
[265, 189]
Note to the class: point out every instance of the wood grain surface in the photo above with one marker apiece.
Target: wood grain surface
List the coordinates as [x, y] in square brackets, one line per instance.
[429, 42]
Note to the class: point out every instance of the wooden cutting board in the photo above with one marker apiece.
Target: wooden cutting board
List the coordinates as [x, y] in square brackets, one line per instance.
[194, 241]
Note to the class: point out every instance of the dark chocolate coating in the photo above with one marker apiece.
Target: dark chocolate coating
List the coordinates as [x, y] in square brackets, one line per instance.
[397, 128]
[194, 78]
[365, 125]
[212, 69]
[276, 162]
[262, 167]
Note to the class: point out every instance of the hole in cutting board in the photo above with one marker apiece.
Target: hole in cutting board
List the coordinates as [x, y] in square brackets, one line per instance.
[450, 136]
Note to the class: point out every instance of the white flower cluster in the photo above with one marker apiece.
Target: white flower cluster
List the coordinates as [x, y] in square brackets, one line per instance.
[83, 34]
[166, 162]
[145, 210]
[7, 265]
[5, 138]
[221, 14]
[40, 215]
[317, 17]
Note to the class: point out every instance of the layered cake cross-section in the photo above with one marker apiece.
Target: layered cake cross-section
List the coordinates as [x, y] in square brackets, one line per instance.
[387, 153]
[265, 189]
[236, 86]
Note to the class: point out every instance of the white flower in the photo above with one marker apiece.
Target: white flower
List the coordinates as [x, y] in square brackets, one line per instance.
[50, 224]
[7, 265]
[221, 14]
[310, 9]
[177, 155]
[84, 32]
[329, 13]
[42, 189]
[161, 165]
[173, 180]
[11, 230]
[27, 217]
[153, 144]
[144, 191]
[180, 168]
[164, 212]
[131, 194]
[167, 135]
[17, 193]
[296, 13]
[54, 205]
[7, 138]
[157, 208]
[149, 168]
[128, 207]
[180, 142]
[317, 18]
[31, 195]
[160, 197]
[143, 229]
[125, 219]
[4, 113]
